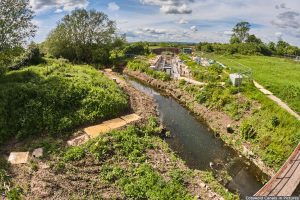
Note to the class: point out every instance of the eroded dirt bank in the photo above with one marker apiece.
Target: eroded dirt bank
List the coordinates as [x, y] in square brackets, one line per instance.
[216, 120]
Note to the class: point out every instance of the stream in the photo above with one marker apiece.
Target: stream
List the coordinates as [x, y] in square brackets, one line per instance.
[194, 143]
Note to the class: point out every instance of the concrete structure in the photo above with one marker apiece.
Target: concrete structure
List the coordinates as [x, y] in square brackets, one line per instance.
[18, 157]
[236, 79]
[297, 59]
[286, 180]
[187, 50]
[107, 126]
[159, 51]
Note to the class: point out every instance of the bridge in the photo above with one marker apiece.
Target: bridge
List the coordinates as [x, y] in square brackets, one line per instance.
[286, 180]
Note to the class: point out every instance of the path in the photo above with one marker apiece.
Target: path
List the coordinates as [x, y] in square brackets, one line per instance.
[276, 100]
[192, 81]
[286, 180]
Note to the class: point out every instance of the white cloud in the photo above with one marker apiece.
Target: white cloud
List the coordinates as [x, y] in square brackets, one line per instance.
[278, 35]
[182, 21]
[113, 6]
[228, 33]
[58, 5]
[194, 28]
[171, 6]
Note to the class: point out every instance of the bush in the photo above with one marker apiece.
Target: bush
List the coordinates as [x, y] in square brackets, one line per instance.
[247, 131]
[74, 153]
[275, 121]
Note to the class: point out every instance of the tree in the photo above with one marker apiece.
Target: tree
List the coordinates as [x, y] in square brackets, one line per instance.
[83, 36]
[15, 23]
[137, 48]
[235, 40]
[241, 31]
[253, 39]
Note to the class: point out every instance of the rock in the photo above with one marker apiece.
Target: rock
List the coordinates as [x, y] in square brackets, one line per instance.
[44, 166]
[37, 153]
[229, 129]
[18, 157]
[78, 140]
[202, 185]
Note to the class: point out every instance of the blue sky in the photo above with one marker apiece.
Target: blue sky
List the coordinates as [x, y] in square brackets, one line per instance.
[182, 20]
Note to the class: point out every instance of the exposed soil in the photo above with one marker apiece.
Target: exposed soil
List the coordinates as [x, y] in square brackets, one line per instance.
[216, 120]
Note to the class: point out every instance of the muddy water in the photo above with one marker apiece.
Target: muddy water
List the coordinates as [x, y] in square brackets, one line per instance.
[200, 149]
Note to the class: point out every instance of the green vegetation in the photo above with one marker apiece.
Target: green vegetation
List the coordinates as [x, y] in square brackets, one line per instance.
[280, 76]
[277, 133]
[219, 93]
[88, 43]
[242, 42]
[125, 164]
[137, 48]
[54, 98]
[141, 65]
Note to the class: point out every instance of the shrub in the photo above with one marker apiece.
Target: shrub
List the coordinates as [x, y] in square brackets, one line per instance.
[74, 153]
[247, 131]
[275, 121]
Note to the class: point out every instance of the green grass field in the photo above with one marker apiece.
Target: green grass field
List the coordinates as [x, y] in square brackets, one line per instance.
[280, 76]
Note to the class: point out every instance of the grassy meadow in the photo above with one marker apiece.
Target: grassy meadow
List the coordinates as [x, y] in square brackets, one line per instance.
[279, 75]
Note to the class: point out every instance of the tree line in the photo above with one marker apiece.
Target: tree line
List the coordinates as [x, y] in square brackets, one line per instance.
[242, 42]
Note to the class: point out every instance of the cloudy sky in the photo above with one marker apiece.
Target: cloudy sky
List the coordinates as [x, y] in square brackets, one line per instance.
[182, 20]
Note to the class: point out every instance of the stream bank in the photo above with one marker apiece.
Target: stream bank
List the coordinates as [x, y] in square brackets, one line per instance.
[217, 121]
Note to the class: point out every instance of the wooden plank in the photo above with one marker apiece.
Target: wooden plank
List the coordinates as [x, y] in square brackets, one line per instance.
[292, 184]
[286, 180]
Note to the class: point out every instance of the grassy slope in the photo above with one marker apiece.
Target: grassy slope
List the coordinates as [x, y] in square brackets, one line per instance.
[134, 163]
[55, 98]
[281, 76]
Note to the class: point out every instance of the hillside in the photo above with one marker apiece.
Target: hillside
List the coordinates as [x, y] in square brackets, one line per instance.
[54, 98]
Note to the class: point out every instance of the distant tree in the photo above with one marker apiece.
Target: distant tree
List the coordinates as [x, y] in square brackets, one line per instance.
[119, 44]
[234, 40]
[15, 23]
[83, 36]
[241, 30]
[281, 47]
[253, 39]
[137, 48]
[272, 47]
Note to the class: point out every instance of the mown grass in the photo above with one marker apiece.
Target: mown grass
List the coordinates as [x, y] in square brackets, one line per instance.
[54, 98]
[279, 75]
[271, 130]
